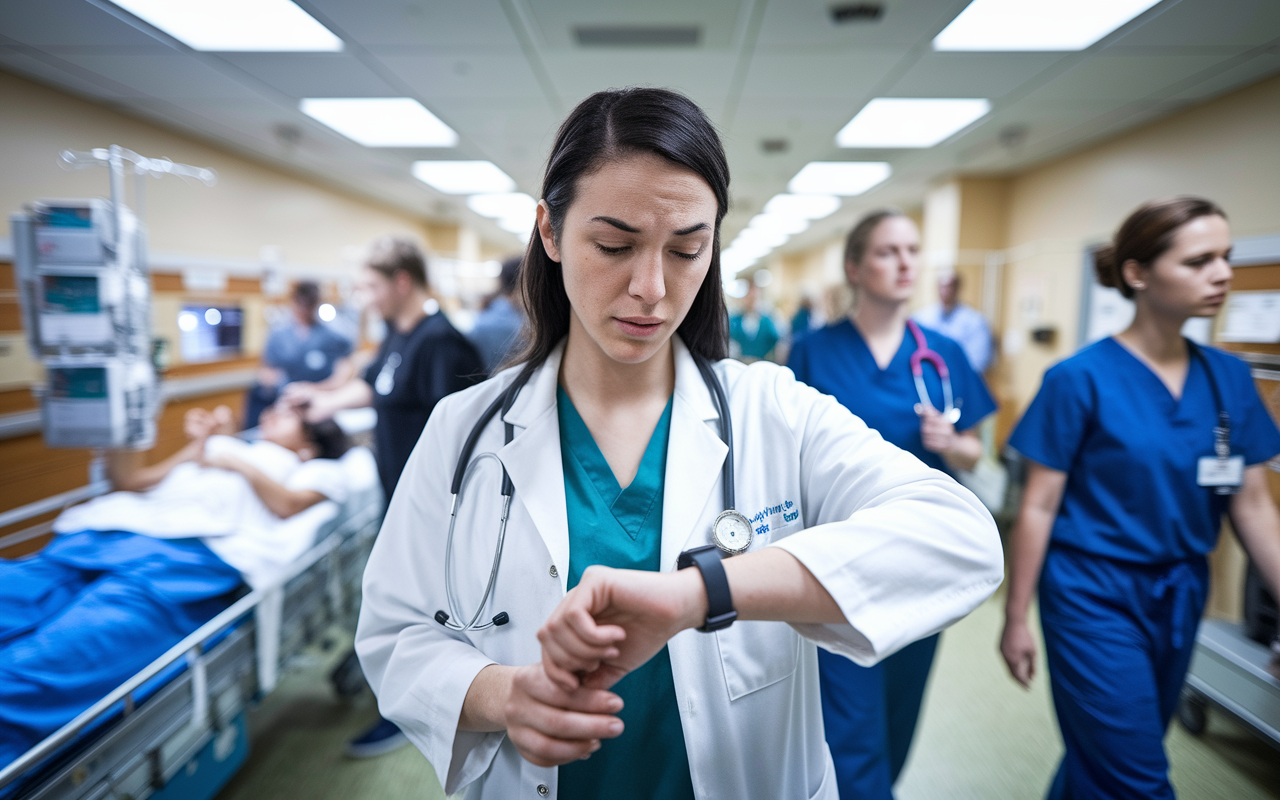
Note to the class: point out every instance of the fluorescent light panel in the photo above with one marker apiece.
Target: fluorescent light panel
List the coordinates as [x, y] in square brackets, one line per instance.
[463, 177]
[802, 206]
[1029, 25]
[506, 205]
[910, 121]
[381, 121]
[848, 178]
[780, 224]
[272, 26]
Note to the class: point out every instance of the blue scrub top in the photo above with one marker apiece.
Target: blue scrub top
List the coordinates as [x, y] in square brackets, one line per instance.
[309, 358]
[1130, 450]
[837, 361]
[622, 528]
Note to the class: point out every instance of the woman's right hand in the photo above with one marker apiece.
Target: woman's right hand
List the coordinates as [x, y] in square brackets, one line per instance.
[1018, 646]
[551, 726]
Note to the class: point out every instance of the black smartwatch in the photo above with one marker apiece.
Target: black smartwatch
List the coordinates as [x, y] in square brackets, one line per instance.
[720, 611]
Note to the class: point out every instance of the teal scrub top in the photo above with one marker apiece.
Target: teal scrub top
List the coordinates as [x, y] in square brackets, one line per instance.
[622, 528]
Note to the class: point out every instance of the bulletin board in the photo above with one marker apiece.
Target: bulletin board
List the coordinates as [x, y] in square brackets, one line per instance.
[1264, 360]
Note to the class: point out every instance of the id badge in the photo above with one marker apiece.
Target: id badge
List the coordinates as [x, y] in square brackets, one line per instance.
[1214, 471]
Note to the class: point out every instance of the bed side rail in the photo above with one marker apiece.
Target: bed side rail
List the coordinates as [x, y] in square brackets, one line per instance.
[191, 647]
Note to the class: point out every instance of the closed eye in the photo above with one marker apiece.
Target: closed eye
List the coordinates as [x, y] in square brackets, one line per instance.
[686, 256]
[613, 251]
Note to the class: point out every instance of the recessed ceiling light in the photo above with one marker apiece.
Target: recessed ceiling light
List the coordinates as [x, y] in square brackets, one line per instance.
[839, 177]
[1036, 24]
[463, 177]
[804, 206]
[273, 26]
[381, 121]
[503, 205]
[779, 224]
[910, 121]
[757, 236]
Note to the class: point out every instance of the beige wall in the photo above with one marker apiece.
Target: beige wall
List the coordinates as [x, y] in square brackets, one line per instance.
[252, 206]
[1227, 150]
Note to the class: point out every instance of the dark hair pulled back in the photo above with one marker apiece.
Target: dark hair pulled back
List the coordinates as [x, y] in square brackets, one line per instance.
[606, 127]
[1147, 234]
[328, 437]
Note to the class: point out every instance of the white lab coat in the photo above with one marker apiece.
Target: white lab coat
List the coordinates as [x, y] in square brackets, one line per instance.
[903, 549]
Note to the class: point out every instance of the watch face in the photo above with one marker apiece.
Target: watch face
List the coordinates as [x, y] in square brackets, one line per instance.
[731, 532]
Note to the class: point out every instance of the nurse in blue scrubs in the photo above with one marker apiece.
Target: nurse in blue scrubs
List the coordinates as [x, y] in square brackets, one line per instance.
[1138, 444]
[864, 361]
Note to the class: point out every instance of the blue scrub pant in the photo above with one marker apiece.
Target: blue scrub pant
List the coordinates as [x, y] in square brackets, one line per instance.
[870, 716]
[1118, 641]
[87, 612]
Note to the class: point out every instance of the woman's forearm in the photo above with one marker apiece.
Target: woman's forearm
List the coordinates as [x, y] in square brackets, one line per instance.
[483, 710]
[279, 500]
[1028, 544]
[1040, 502]
[772, 584]
[127, 473]
[1257, 524]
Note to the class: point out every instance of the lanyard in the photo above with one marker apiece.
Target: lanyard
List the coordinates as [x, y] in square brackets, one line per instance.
[1221, 433]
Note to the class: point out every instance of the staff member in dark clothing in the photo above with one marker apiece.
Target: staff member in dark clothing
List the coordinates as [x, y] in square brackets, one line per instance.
[422, 359]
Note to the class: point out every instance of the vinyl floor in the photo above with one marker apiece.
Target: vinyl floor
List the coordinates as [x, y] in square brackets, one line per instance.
[981, 737]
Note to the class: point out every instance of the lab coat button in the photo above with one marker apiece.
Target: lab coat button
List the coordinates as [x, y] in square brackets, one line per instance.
[554, 574]
[542, 787]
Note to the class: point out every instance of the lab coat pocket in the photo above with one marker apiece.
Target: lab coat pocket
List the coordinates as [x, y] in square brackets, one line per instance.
[757, 654]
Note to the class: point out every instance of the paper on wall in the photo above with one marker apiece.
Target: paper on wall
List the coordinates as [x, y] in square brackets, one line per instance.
[1251, 317]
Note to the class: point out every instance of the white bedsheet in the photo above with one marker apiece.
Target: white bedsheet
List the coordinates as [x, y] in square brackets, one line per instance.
[221, 509]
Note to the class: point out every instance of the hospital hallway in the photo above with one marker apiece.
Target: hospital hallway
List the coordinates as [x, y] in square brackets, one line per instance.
[980, 738]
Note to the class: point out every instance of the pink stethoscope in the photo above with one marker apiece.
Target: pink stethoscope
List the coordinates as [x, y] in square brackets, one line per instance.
[922, 354]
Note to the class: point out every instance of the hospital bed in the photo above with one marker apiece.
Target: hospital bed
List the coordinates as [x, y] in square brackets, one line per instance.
[177, 729]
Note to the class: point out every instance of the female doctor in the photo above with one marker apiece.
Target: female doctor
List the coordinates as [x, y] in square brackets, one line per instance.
[596, 683]
[1138, 444]
[870, 362]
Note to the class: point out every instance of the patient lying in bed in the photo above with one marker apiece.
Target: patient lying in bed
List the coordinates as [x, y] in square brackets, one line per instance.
[133, 572]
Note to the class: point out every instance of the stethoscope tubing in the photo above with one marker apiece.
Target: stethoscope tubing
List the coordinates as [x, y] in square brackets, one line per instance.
[461, 478]
[922, 354]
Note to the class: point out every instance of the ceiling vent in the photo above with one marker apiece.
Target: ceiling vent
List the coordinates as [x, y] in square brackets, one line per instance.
[856, 12]
[638, 35]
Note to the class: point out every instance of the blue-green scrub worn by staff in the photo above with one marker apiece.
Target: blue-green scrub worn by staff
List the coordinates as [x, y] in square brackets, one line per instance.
[870, 713]
[622, 528]
[1124, 580]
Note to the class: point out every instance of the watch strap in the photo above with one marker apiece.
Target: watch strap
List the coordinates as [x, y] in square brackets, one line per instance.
[720, 610]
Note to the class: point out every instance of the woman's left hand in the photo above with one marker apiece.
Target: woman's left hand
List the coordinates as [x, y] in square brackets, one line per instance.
[615, 620]
[938, 435]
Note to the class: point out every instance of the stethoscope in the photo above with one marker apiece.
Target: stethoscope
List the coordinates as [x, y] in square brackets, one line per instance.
[922, 354]
[731, 531]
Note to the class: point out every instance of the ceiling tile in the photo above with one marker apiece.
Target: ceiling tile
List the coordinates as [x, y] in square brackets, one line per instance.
[554, 20]
[703, 76]
[1107, 78]
[808, 24]
[51, 23]
[1260, 66]
[989, 75]
[299, 75]
[456, 25]
[172, 75]
[839, 77]
[52, 72]
[476, 75]
[1204, 23]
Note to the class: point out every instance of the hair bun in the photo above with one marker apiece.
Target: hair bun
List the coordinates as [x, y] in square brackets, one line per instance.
[1107, 267]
